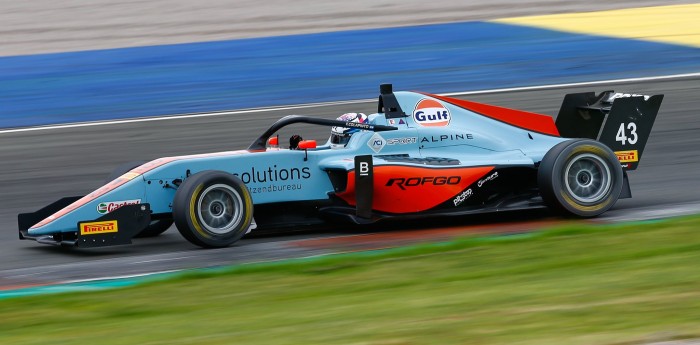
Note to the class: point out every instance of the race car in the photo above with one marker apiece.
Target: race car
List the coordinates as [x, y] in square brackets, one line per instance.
[420, 155]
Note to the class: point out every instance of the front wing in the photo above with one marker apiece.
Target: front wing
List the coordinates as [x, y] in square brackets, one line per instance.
[115, 228]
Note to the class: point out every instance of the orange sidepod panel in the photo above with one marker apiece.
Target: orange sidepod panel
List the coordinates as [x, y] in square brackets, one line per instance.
[408, 189]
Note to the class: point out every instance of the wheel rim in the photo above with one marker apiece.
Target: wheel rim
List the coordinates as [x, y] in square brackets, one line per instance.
[220, 209]
[588, 178]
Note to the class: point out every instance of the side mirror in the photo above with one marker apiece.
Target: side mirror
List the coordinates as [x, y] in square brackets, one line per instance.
[274, 141]
[307, 144]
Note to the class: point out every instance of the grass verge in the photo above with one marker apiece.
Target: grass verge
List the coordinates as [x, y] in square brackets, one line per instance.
[578, 284]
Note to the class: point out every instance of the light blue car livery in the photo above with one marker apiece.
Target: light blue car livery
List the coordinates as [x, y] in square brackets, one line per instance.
[420, 155]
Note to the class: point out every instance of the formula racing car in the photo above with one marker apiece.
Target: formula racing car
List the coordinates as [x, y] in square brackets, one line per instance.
[420, 155]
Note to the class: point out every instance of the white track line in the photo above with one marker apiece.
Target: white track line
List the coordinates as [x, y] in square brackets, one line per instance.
[585, 83]
[119, 277]
[312, 105]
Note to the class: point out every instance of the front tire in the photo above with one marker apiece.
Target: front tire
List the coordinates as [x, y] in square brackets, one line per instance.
[212, 209]
[580, 177]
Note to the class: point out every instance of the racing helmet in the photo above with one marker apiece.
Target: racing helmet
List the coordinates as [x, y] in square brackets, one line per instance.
[341, 135]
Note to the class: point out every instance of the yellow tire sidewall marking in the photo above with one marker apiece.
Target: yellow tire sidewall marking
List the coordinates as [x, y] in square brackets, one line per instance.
[248, 208]
[193, 213]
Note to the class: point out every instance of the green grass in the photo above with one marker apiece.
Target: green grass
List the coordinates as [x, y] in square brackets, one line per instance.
[574, 285]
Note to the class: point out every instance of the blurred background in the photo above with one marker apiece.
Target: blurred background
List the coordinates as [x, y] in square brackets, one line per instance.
[74, 61]
[86, 85]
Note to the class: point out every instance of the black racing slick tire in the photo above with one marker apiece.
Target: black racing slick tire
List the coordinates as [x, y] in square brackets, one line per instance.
[581, 178]
[212, 209]
[156, 227]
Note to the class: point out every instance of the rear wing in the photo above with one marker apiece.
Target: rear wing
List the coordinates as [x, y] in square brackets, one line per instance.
[621, 121]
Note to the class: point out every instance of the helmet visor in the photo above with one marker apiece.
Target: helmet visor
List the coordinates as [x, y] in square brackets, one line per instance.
[340, 139]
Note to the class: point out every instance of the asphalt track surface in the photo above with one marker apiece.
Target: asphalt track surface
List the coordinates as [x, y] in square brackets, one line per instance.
[39, 167]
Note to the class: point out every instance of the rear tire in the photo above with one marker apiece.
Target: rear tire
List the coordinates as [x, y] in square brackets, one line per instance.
[212, 209]
[582, 178]
[156, 227]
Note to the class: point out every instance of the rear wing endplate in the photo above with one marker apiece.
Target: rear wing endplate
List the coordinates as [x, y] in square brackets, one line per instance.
[621, 121]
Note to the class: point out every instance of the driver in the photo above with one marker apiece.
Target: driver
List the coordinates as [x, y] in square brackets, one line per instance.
[341, 135]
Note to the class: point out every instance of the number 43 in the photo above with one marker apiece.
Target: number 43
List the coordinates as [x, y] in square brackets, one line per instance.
[622, 134]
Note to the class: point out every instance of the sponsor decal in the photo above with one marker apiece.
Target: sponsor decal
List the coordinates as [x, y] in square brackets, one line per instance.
[96, 228]
[411, 188]
[630, 156]
[626, 95]
[462, 197]
[443, 137]
[490, 178]
[403, 182]
[376, 142]
[358, 125]
[274, 174]
[275, 188]
[402, 122]
[110, 206]
[401, 141]
[392, 121]
[431, 113]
